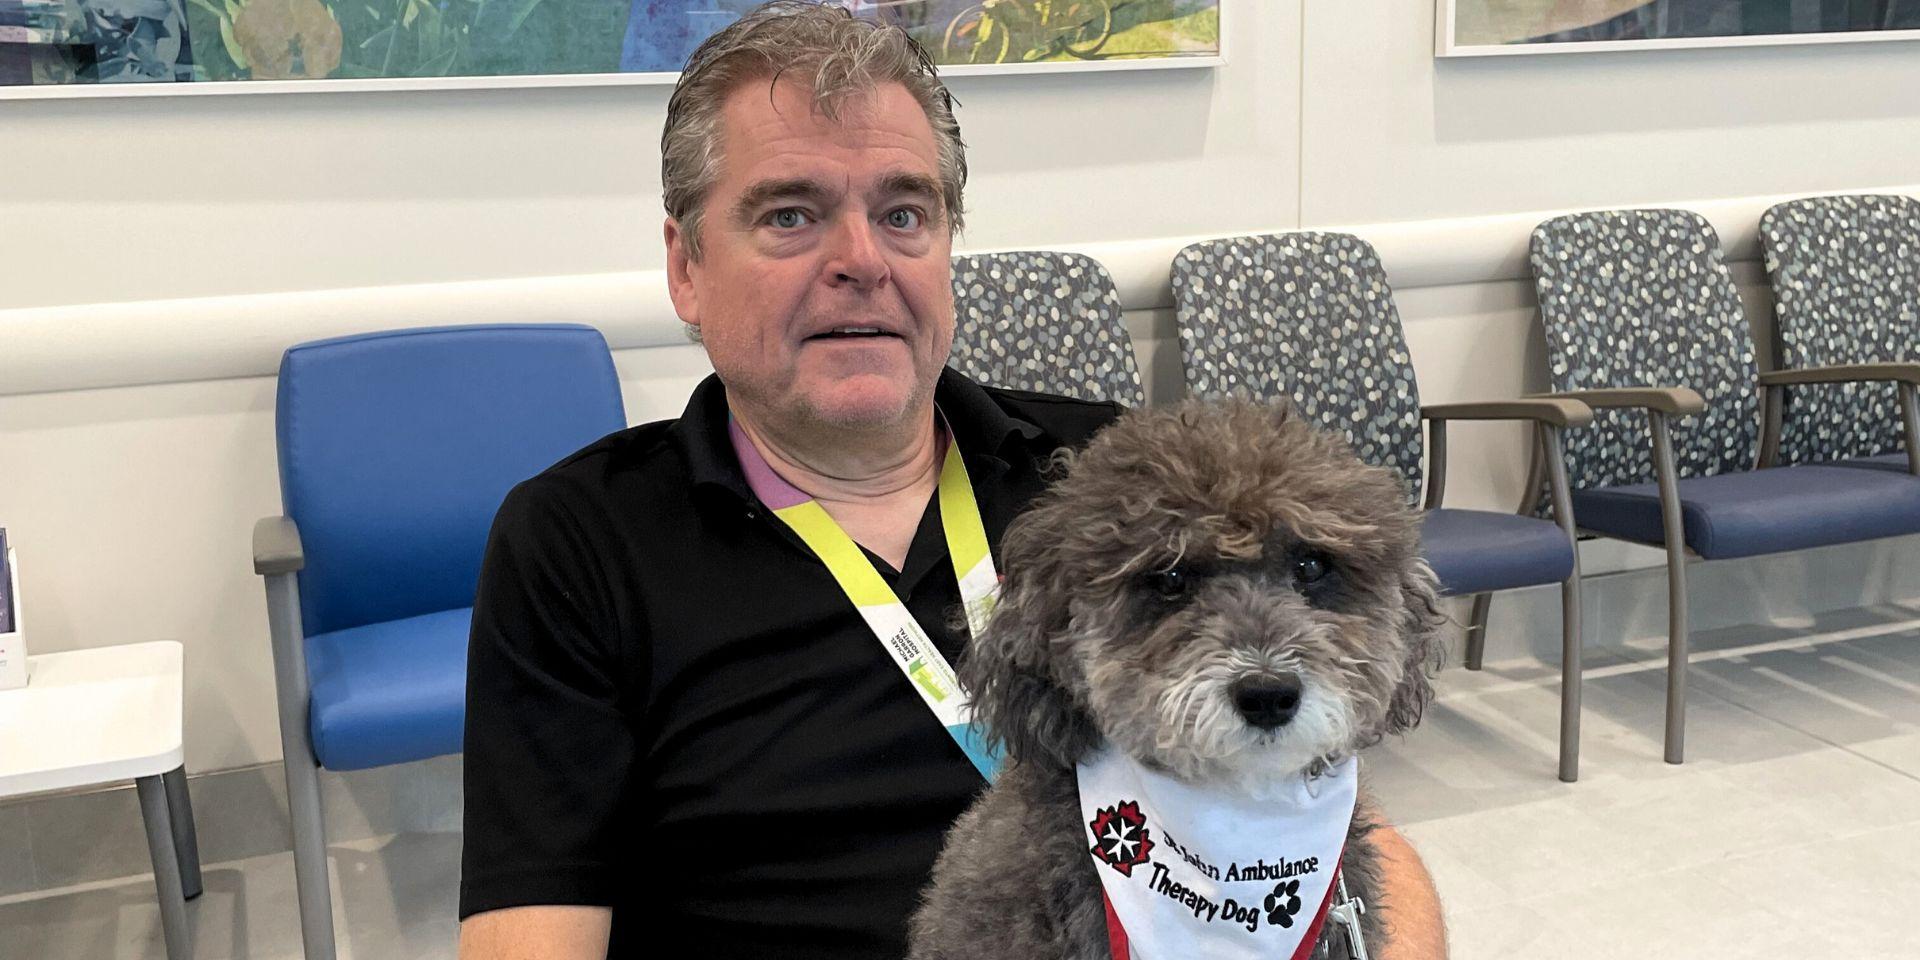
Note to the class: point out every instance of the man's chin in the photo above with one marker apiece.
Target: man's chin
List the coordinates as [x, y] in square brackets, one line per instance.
[857, 405]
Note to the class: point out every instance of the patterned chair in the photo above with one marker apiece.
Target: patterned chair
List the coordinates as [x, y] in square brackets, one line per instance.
[1046, 322]
[1641, 316]
[1308, 318]
[1846, 286]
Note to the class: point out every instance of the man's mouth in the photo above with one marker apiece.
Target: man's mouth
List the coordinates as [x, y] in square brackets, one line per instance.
[852, 333]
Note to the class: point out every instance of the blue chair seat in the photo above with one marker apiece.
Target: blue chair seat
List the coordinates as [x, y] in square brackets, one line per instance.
[1474, 551]
[389, 692]
[1762, 511]
[1894, 462]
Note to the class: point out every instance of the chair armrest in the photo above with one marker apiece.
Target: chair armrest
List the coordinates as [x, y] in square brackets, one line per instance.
[1558, 411]
[276, 546]
[1904, 374]
[1908, 373]
[1676, 401]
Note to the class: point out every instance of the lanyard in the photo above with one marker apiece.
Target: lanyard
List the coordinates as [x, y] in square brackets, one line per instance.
[905, 641]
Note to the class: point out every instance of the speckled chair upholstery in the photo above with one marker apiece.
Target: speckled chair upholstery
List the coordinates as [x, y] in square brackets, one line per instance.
[1308, 318]
[1643, 323]
[1846, 289]
[1042, 321]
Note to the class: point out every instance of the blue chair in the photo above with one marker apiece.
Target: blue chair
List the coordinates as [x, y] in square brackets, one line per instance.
[396, 449]
[1643, 324]
[1309, 318]
[1042, 321]
[1846, 294]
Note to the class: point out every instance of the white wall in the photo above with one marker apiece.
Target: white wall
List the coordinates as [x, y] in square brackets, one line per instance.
[147, 198]
[131, 505]
[1391, 133]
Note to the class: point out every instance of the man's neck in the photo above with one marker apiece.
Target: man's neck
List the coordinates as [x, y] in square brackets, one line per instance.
[874, 484]
[848, 466]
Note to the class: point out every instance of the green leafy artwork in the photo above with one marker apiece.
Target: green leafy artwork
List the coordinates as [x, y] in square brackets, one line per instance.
[65, 42]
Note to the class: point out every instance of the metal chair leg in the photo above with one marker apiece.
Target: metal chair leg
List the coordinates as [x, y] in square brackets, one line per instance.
[1677, 646]
[303, 770]
[1571, 669]
[166, 868]
[1477, 630]
[310, 857]
[186, 840]
[1572, 639]
[1676, 543]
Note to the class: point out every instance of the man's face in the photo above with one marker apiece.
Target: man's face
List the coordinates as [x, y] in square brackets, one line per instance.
[823, 292]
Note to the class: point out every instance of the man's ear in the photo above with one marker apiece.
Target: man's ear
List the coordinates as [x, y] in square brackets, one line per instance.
[680, 270]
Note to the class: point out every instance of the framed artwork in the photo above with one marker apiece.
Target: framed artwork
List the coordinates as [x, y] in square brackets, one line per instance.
[144, 47]
[1479, 28]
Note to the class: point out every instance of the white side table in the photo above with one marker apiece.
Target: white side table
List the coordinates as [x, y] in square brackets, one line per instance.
[104, 715]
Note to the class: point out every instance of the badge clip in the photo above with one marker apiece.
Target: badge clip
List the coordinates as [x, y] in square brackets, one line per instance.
[1347, 913]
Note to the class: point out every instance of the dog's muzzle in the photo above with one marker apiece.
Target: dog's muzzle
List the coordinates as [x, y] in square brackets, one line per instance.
[1268, 702]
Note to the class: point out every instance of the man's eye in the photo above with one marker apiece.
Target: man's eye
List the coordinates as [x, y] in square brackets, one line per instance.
[1310, 567]
[903, 219]
[1169, 584]
[788, 218]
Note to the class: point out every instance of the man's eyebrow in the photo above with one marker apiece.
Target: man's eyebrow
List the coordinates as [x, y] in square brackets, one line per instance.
[769, 191]
[908, 184]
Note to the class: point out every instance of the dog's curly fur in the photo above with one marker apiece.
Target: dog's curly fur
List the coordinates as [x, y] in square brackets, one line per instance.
[1182, 550]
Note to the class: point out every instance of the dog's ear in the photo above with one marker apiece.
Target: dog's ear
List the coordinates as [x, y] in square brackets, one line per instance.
[1009, 668]
[1420, 623]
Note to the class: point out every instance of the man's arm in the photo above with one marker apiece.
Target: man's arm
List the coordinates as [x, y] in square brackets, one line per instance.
[548, 749]
[1416, 929]
[536, 933]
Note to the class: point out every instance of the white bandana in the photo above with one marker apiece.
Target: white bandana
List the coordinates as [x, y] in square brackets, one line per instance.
[1193, 872]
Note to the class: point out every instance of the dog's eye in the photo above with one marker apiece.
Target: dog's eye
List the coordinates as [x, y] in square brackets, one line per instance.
[1311, 567]
[1168, 584]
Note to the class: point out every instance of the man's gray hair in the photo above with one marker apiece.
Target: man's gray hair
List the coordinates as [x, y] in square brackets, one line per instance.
[845, 55]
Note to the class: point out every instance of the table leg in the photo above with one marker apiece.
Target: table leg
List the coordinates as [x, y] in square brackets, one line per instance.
[186, 842]
[166, 867]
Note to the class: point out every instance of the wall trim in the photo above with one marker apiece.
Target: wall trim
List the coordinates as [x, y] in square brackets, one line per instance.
[92, 346]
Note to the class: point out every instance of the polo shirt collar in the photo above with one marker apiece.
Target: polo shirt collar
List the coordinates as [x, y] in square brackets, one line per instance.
[980, 426]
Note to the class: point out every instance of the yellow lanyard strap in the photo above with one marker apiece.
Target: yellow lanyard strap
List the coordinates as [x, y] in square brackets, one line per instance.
[905, 641]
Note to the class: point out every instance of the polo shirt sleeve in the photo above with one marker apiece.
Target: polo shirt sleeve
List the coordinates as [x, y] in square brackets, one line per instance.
[549, 751]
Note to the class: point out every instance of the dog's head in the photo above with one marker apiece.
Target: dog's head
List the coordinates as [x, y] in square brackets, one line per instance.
[1218, 590]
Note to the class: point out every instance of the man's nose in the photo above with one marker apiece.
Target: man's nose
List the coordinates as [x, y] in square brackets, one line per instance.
[855, 258]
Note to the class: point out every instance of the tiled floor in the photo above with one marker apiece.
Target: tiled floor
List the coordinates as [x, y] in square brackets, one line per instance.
[1792, 830]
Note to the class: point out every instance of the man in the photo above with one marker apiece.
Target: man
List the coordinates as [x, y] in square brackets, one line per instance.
[682, 736]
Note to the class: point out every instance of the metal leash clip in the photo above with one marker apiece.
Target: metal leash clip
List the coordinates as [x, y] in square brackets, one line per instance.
[1347, 913]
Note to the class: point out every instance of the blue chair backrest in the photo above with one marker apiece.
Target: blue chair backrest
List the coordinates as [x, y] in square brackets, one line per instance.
[397, 448]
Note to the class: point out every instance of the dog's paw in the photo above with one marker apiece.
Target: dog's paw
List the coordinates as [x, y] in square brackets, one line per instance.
[1283, 904]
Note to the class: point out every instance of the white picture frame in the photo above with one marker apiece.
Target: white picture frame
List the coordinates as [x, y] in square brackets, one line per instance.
[1448, 45]
[654, 79]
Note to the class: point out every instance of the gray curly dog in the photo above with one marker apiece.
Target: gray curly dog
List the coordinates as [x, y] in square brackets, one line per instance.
[1198, 573]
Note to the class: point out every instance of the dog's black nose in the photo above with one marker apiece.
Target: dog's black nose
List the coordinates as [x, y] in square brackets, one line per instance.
[1267, 702]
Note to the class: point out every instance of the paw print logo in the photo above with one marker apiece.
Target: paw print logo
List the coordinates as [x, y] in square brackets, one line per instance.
[1120, 837]
[1283, 903]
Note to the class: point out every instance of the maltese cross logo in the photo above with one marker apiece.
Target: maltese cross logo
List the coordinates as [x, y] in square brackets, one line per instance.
[1120, 837]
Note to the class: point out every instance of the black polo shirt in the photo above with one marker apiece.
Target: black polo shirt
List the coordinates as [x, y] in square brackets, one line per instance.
[673, 710]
